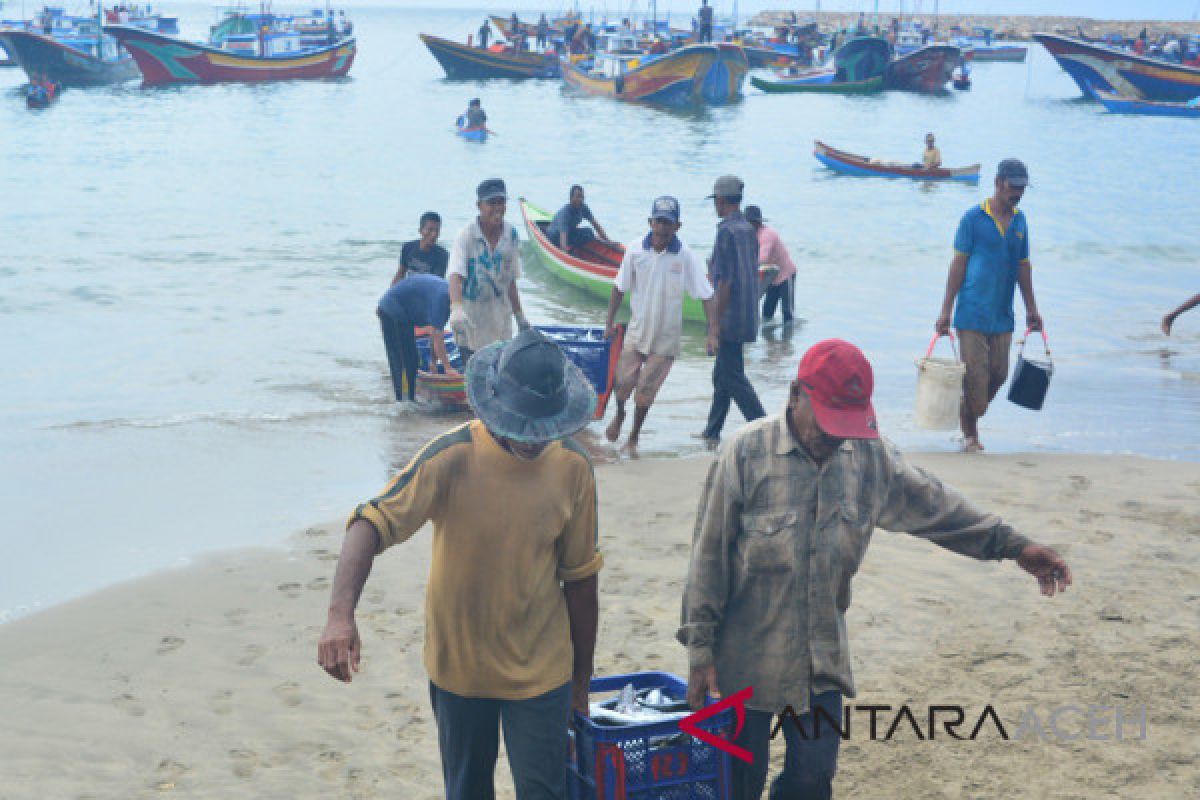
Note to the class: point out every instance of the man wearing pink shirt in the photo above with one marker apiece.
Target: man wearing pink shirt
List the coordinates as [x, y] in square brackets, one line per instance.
[771, 252]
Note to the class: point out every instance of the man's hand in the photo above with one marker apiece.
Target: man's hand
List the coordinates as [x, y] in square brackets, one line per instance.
[702, 681]
[1052, 573]
[942, 326]
[340, 649]
[1033, 321]
[580, 688]
[711, 343]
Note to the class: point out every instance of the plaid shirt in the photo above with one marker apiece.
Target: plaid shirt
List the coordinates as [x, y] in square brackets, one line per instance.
[777, 541]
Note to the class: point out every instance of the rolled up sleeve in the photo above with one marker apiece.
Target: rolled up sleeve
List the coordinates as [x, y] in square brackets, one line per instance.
[579, 546]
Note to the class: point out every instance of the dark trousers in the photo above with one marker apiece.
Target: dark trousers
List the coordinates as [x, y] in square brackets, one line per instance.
[784, 293]
[730, 383]
[535, 737]
[809, 763]
[705, 32]
[401, 345]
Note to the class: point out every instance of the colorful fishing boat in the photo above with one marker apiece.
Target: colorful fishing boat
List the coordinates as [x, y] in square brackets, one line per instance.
[478, 133]
[276, 55]
[784, 85]
[1153, 108]
[850, 164]
[466, 62]
[71, 51]
[1096, 66]
[981, 46]
[927, 69]
[697, 73]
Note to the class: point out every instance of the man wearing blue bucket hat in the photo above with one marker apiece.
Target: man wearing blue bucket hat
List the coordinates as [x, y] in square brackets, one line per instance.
[511, 604]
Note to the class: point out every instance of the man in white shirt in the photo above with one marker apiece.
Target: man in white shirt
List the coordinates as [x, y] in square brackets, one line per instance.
[655, 272]
[485, 263]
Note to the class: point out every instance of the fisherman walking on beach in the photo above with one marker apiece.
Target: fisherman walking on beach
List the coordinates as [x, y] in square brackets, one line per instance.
[772, 253]
[565, 229]
[786, 517]
[485, 263]
[424, 254]
[734, 274]
[511, 604]
[991, 258]
[419, 301]
[655, 273]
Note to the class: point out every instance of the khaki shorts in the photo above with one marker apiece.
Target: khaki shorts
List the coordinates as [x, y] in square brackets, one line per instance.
[986, 359]
[645, 373]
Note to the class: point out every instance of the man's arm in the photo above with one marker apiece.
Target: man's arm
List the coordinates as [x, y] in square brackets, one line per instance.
[564, 241]
[437, 341]
[615, 298]
[340, 649]
[514, 299]
[713, 337]
[583, 611]
[954, 281]
[1170, 318]
[1033, 320]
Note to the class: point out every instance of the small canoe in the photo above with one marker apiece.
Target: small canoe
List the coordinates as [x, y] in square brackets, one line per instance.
[478, 133]
[1116, 104]
[41, 95]
[785, 85]
[850, 164]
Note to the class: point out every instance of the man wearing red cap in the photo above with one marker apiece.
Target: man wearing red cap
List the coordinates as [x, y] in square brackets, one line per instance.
[789, 508]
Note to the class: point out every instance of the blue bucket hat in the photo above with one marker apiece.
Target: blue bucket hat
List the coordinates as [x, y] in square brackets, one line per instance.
[527, 390]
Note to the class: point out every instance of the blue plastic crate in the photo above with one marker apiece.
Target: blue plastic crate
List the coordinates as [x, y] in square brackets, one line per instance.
[587, 348]
[425, 352]
[656, 761]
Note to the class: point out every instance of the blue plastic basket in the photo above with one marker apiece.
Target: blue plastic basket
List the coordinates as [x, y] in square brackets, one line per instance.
[425, 354]
[657, 761]
[587, 348]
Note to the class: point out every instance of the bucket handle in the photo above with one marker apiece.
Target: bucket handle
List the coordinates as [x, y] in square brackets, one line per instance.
[933, 342]
[1045, 343]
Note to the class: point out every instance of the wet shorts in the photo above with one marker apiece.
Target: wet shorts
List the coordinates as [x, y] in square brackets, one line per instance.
[645, 373]
[986, 359]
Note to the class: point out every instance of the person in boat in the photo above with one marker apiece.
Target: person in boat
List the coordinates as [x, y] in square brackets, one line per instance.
[418, 301]
[423, 255]
[566, 230]
[1169, 319]
[786, 516]
[655, 273]
[659, 47]
[332, 34]
[485, 33]
[991, 259]
[475, 116]
[514, 27]
[704, 17]
[543, 32]
[932, 157]
[485, 263]
[772, 253]
[733, 270]
[512, 607]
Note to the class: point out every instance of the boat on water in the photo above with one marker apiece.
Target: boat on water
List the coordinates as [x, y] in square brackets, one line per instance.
[857, 67]
[245, 48]
[1121, 72]
[71, 51]
[817, 85]
[477, 133]
[851, 164]
[927, 69]
[40, 94]
[467, 62]
[1117, 104]
[698, 73]
[982, 46]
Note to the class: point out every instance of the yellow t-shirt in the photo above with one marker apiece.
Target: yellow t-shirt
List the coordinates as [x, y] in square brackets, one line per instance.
[933, 157]
[506, 534]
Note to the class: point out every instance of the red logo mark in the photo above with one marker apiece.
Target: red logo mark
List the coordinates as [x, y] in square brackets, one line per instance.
[691, 724]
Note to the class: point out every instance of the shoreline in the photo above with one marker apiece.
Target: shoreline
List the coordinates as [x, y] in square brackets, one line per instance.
[1018, 26]
[202, 680]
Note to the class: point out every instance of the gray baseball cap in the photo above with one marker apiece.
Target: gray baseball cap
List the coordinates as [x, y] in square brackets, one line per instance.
[489, 189]
[727, 186]
[665, 207]
[1013, 171]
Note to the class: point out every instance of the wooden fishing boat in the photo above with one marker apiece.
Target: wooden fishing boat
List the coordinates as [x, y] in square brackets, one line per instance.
[1096, 66]
[465, 62]
[91, 60]
[850, 164]
[784, 85]
[1153, 108]
[698, 73]
[927, 69]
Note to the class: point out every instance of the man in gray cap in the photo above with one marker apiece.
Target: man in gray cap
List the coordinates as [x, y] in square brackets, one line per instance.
[734, 273]
[511, 604]
[485, 263]
[991, 258]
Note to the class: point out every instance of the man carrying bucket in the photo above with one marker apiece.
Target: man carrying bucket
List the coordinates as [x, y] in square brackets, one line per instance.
[511, 605]
[991, 258]
[787, 513]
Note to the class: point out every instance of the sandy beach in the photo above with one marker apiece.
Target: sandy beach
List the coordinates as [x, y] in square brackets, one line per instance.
[202, 682]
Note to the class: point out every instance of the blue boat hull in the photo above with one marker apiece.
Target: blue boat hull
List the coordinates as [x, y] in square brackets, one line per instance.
[1128, 105]
[40, 55]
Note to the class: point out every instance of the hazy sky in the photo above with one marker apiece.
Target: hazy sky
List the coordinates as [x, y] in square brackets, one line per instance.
[1108, 9]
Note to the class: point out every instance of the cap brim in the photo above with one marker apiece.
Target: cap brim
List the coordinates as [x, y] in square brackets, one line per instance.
[493, 196]
[664, 217]
[845, 423]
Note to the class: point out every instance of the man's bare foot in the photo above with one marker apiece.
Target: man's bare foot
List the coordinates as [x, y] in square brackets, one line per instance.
[613, 431]
[630, 448]
[972, 445]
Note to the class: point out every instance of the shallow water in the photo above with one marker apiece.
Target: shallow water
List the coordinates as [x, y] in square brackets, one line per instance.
[188, 277]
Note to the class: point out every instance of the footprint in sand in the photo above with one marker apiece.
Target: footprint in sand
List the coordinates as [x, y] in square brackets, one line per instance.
[130, 705]
[1080, 483]
[316, 532]
[374, 596]
[290, 589]
[288, 693]
[250, 654]
[244, 762]
[323, 555]
[221, 702]
[168, 773]
[169, 644]
[236, 617]
[318, 584]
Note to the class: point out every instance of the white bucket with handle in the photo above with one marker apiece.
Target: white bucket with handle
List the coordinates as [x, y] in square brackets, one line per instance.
[939, 389]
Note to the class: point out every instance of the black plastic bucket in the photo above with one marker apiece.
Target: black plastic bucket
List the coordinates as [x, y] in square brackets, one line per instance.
[1031, 377]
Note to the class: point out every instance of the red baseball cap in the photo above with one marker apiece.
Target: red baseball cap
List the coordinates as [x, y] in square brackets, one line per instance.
[838, 380]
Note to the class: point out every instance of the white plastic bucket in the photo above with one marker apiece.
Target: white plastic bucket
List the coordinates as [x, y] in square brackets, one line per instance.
[939, 389]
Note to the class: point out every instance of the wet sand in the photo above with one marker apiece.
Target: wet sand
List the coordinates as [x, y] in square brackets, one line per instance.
[202, 682]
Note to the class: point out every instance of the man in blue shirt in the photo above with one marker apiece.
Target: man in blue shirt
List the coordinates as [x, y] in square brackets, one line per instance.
[734, 274]
[991, 258]
[564, 230]
[420, 300]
